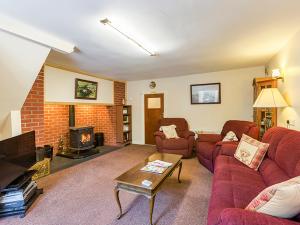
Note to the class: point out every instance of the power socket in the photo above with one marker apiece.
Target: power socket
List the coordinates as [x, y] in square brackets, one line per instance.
[290, 123]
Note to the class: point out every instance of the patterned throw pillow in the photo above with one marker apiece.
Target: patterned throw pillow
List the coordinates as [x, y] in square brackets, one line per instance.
[251, 152]
[169, 131]
[230, 136]
[280, 200]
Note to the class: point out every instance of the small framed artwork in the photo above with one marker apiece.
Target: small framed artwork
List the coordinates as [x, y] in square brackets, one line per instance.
[85, 89]
[206, 93]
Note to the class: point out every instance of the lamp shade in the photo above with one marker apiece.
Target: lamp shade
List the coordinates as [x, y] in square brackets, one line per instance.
[270, 98]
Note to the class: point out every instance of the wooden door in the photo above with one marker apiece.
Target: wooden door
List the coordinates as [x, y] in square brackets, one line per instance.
[154, 111]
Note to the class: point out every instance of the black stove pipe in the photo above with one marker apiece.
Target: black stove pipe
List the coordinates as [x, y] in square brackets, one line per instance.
[71, 115]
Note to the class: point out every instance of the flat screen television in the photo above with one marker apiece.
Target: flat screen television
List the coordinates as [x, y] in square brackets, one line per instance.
[19, 150]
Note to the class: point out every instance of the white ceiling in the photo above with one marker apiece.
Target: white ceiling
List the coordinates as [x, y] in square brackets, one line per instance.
[191, 36]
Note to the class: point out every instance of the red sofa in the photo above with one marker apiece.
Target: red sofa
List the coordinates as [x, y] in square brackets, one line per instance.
[182, 145]
[235, 185]
[208, 146]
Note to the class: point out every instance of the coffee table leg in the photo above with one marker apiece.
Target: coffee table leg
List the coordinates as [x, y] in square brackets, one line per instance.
[152, 199]
[179, 172]
[118, 201]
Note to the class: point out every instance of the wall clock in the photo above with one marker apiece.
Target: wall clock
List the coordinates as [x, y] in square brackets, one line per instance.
[152, 84]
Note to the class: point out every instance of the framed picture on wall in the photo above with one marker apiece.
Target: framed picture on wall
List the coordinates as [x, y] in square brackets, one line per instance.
[85, 89]
[206, 93]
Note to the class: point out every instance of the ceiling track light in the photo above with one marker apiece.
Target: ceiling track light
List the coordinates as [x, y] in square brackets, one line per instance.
[108, 23]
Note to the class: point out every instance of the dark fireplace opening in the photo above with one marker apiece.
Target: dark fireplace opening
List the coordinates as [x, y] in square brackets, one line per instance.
[81, 138]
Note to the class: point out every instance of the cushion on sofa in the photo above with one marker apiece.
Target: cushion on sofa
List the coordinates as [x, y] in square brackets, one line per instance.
[230, 136]
[229, 169]
[251, 152]
[280, 200]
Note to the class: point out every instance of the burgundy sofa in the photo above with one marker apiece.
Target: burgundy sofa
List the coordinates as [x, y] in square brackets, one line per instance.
[208, 146]
[235, 185]
[182, 145]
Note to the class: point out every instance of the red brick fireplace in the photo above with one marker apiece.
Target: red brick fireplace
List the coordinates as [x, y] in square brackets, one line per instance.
[51, 121]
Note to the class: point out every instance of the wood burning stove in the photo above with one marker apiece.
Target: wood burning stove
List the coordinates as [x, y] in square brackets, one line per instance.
[81, 138]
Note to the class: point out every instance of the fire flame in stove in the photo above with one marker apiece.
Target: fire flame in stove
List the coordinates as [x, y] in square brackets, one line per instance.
[85, 138]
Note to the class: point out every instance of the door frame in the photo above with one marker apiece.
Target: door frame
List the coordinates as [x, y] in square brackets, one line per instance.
[163, 109]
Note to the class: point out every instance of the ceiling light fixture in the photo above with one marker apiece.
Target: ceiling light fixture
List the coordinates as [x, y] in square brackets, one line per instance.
[108, 23]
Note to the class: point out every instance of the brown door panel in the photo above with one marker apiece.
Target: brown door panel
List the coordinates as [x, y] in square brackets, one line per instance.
[154, 109]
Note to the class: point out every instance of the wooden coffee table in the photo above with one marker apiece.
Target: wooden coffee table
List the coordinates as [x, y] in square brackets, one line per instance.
[131, 181]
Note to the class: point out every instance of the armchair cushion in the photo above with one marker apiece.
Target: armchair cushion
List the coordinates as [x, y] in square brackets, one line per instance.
[169, 131]
[178, 143]
[181, 124]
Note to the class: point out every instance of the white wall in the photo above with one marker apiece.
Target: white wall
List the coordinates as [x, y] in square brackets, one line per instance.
[12, 125]
[60, 87]
[20, 63]
[288, 60]
[237, 99]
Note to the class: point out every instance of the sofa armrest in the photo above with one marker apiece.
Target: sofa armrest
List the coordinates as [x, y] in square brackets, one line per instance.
[159, 134]
[227, 147]
[187, 134]
[236, 216]
[159, 139]
[209, 137]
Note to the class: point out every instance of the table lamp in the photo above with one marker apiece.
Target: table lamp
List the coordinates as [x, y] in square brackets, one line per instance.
[269, 98]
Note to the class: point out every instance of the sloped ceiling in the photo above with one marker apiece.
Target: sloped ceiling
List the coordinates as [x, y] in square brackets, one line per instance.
[20, 63]
[191, 36]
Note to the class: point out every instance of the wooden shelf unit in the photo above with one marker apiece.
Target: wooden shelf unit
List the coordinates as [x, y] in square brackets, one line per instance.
[259, 114]
[124, 124]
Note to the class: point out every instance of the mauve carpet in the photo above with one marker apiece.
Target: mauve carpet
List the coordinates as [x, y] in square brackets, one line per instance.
[83, 194]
